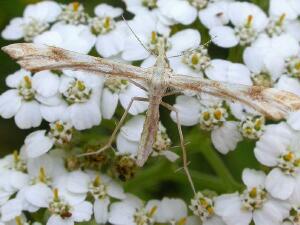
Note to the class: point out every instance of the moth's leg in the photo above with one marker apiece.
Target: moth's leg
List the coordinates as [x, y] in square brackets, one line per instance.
[172, 93]
[184, 154]
[112, 137]
[138, 85]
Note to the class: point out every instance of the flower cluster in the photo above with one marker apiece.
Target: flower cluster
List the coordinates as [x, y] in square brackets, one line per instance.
[47, 182]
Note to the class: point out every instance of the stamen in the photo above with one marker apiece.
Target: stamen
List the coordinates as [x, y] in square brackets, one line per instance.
[249, 21]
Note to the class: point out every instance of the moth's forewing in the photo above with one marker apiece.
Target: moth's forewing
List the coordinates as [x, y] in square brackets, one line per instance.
[271, 102]
[37, 57]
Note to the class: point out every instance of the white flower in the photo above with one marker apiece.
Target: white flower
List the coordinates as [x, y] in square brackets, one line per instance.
[215, 14]
[169, 210]
[100, 187]
[202, 207]
[130, 135]
[116, 90]
[291, 8]
[266, 58]
[11, 209]
[138, 6]
[73, 13]
[248, 21]
[35, 20]
[23, 101]
[80, 102]
[132, 212]
[191, 63]
[148, 32]
[279, 148]
[111, 35]
[64, 213]
[67, 36]
[211, 114]
[39, 142]
[225, 71]
[253, 204]
[180, 11]
[35, 192]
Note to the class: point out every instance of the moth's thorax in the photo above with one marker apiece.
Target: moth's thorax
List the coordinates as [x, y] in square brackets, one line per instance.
[161, 69]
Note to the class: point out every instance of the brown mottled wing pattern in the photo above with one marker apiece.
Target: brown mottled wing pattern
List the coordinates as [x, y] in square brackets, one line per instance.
[271, 102]
[37, 57]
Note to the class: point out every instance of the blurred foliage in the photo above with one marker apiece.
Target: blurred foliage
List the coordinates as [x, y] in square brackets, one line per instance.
[209, 168]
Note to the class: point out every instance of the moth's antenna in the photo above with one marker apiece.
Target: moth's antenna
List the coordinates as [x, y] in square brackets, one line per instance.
[189, 51]
[137, 38]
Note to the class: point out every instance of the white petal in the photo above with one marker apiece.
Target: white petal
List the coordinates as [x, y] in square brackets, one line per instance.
[85, 115]
[294, 120]
[282, 48]
[238, 74]
[115, 190]
[180, 11]
[226, 137]
[55, 113]
[109, 103]
[137, 106]
[82, 212]
[105, 10]
[132, 130]
[110, 44]
[218, 70]
[13, 80]
[29, 115]
[273, 212]
[101, 210]
[149, 62]
[10, 103]
[45, 83]
[39, 195]
[125, 146]
[51, 38]
[280, 185]
[18, 179]
[172, 209]
[295, 197]
[57, 220]
[171, 156]
[11, 210]
[14, 30]
[78, 182]
[289, 84]
[223, 36]
[214, 220]
[189, 110]
[280, 7]
[121, 213]
[229, 207]
[133, 50]
[37, 144]
[214, 15]
[179, 43]
[253, 58]
[253, 178]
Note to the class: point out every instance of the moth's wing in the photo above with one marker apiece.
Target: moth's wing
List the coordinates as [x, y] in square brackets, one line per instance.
[271, 102]
[37, 57]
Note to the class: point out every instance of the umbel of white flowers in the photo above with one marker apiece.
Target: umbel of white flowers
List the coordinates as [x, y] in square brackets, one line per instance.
[46, 178]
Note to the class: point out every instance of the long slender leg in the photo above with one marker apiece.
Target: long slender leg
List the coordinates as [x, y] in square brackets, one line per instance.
[138, 85]
[172, 93]
[113, 135]
[184, 155]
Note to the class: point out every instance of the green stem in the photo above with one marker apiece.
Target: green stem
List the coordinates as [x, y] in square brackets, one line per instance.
[214, 160]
